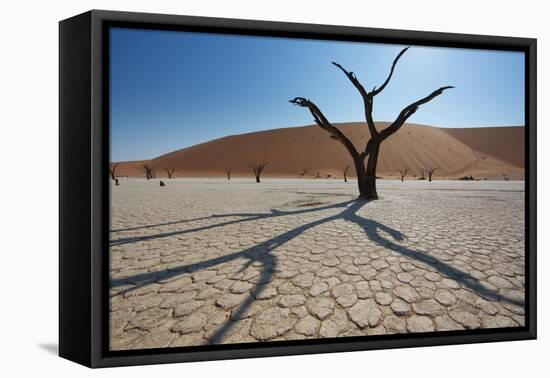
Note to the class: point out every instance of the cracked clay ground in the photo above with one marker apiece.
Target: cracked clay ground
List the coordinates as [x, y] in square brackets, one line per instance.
[205, 261]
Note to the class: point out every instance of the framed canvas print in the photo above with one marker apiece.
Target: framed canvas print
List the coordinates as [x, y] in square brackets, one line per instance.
[233, 188]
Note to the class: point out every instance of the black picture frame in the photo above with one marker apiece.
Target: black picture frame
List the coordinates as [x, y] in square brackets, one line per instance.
[83, 196]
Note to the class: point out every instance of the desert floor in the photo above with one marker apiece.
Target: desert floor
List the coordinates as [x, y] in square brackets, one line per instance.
[207, 261]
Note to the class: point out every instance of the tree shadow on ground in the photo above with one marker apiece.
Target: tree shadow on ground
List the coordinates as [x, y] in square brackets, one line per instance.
[263, 253]
[248, 217]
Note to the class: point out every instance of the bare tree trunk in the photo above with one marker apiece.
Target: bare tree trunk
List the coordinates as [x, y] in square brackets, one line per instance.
[431, 172]
[346, 173]
[257, 178]
[112, 170]
[361, 176]
[403, 173]
[370, 179]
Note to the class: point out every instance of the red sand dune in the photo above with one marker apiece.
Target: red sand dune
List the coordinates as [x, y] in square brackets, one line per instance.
[480, 152]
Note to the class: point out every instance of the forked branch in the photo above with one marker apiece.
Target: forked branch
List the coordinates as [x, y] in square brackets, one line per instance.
[170, 171]
[367, 98]
[323, 123]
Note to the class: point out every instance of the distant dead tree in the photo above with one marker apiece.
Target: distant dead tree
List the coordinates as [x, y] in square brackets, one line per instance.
[149, 171]
[258, 168]
[505, 177]
[403, 173]
[318, 175]
[366, 175]
[346, 173]
[304, 171]
[422, 175]
[170, 172]
[228, 172]
[431, 171]
[112, 170]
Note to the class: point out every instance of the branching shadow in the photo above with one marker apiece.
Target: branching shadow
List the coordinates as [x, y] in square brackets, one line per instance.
[161, 224]
[248, 217]
[264, 254]
[372, 228]
[250, 253]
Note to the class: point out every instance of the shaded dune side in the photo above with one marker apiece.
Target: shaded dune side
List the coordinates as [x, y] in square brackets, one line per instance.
[503, 143]
[489, 152]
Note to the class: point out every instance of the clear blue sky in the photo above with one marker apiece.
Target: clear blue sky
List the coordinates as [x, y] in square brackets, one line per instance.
[170, 90]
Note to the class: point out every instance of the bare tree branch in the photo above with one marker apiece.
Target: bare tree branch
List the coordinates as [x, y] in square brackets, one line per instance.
[351, 76]
[377, 91]
[323, 123]
[409, 111]
[367, 99]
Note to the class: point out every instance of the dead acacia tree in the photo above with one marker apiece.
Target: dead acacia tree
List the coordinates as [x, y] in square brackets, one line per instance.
[228, 172]
[346, 173]
[112, 170]
[304, 171]
[431, 171]
[170, 172]
[149, 171]
[403, 173]
[422, 175]
[258, 168]
[366, 175]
